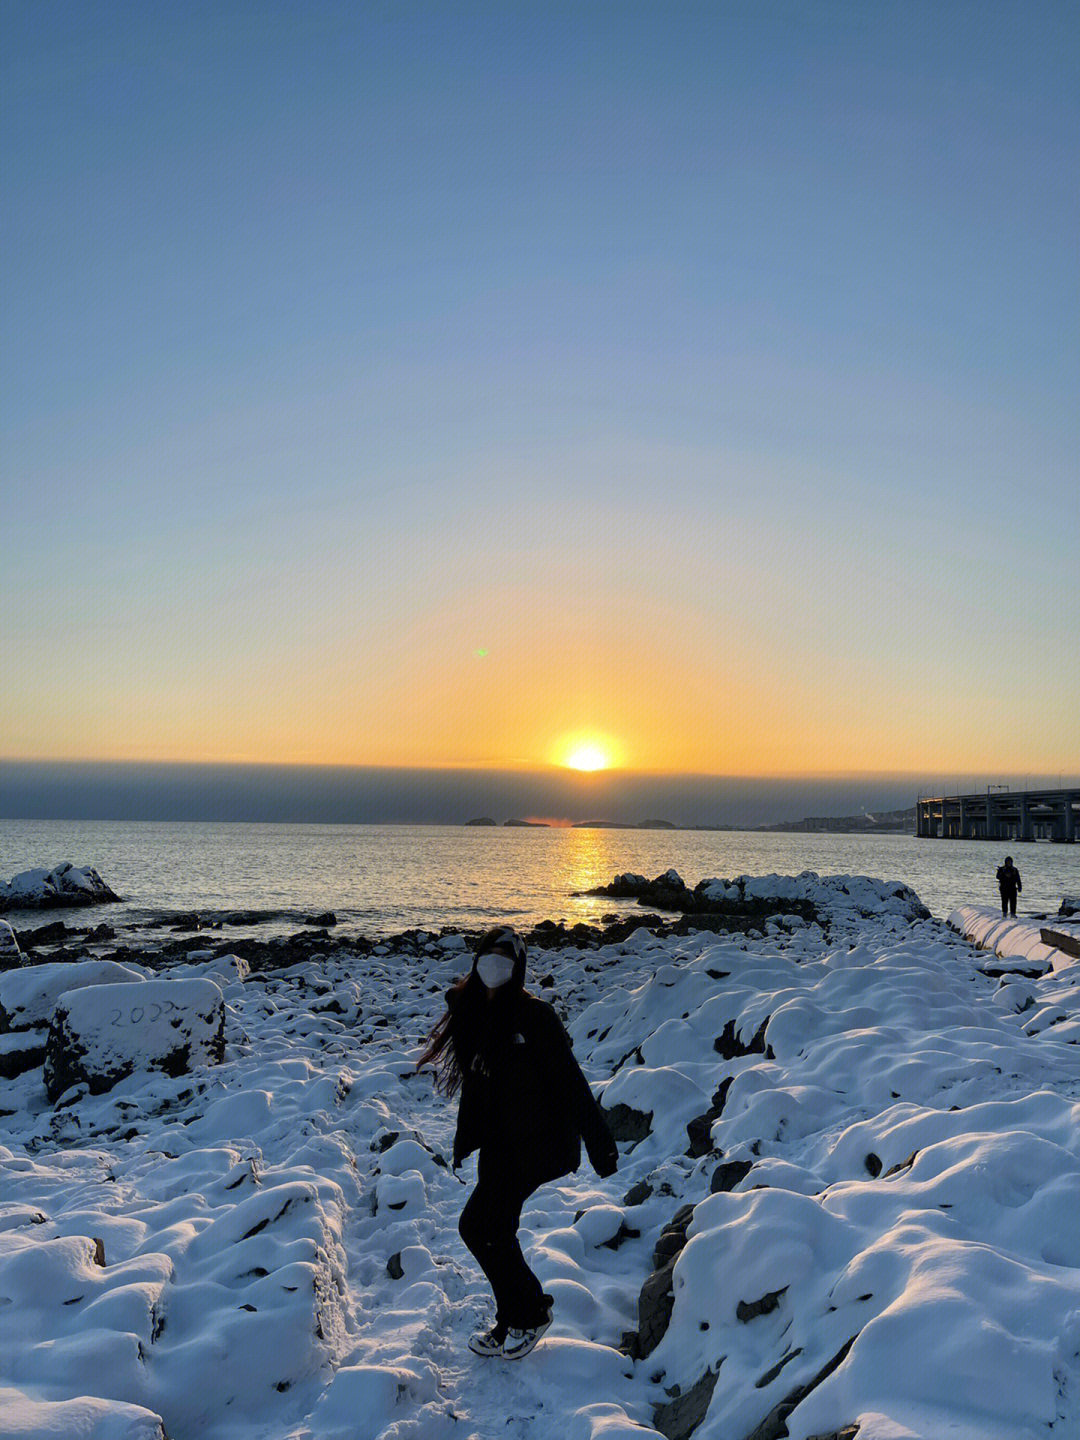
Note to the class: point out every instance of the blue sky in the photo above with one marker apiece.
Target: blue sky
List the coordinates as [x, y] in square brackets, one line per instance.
[342, 341]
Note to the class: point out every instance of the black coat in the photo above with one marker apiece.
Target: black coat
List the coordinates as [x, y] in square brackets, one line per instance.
[1008, 878]
[524, 1098]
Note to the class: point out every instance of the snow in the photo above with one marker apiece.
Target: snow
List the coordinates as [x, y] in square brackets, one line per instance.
[268, 1247]
[1018, 942]
[28, 996]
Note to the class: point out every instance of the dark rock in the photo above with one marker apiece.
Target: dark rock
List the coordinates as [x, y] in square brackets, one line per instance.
[547, 982]
[626, 1123]
[100, 932]
[730, 1046]
[750, 1310]
[185, 922]
[22, 1051]
[873, 1165]
[728, 1174]
[679, 1418]
[902, 1165]
[624, 1232]
[774, 1370]
[322, 921]
[481, 820]
[638, 1194]
[656, 1301]
[393, 1266]
[657, 1298]
[773, 1427]
[54, 934]
[699, 1131]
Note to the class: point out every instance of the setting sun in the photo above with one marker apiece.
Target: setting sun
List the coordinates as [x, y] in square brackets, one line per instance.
[587, 757]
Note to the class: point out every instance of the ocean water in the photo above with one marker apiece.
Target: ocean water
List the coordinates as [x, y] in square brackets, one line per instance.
[379, 879]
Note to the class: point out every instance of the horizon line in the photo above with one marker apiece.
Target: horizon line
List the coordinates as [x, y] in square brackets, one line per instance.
[546, 768]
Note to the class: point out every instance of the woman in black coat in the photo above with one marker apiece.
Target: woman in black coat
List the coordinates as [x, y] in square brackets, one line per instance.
[526, 1106]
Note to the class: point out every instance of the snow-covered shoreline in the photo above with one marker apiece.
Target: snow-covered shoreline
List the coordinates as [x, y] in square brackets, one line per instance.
[880, 1143]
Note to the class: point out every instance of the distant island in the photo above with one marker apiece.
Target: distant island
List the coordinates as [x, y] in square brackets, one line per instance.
[510, 824]
[890, 822]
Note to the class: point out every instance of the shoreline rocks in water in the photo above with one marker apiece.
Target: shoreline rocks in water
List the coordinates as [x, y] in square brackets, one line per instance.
[64, 885]
[808, 895]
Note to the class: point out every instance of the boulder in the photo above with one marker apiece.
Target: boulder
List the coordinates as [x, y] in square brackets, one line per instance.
[53, 934]
[657, 1297]
[28, 996]
[626, 1123]
[728, 1174]
[27, 1417]
[10, 954]
[1070, 905]
[103, 1033]
[64, 885]
[680, 1416]
[22, 1050]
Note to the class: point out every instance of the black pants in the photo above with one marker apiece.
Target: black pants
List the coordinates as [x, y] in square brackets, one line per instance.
[488, 1226]
[1008, 902]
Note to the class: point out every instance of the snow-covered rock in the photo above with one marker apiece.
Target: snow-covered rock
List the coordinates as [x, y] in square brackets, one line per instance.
[21, 1051]
[858, 896]
[104, 1033]
[66, 884]
[1017, 943]
[1070, 905]
[10, 954]
[87, 1418]
[28, 996]
[861, 894]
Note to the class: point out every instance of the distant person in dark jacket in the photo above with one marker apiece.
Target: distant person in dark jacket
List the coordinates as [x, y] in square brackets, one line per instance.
[526, 1106]
[1010, 884]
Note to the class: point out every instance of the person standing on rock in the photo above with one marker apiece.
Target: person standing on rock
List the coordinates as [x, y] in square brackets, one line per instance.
[1010, 884]
[526, 1106]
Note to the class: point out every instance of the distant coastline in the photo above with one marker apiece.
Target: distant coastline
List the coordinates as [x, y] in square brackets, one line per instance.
[895, 822]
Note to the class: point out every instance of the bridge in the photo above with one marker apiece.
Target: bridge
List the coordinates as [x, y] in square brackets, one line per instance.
[1001, 814]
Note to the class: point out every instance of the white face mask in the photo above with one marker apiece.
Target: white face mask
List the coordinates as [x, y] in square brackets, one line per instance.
[494, 970]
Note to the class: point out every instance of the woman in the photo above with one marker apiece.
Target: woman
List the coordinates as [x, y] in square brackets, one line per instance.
[527, 1107]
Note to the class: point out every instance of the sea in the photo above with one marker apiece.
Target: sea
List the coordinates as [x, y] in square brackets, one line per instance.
[381, 879]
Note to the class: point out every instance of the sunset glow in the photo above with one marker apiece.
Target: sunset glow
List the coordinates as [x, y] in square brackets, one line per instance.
[588, 757]
[658, 395]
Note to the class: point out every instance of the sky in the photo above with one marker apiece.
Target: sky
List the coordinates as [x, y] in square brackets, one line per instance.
[448, 386]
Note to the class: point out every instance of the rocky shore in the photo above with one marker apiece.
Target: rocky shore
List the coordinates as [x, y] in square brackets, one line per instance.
[847, 1174]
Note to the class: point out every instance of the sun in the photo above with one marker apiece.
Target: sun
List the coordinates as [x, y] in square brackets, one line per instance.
[587, 757]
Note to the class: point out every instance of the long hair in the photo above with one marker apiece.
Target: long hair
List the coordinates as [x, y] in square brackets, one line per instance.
[472, 1020]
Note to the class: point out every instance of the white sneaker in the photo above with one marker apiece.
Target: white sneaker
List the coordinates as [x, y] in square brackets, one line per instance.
[520, 1342]
[488, 1342]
